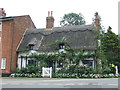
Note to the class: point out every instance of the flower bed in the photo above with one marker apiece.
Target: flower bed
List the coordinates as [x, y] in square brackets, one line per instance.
[86, 76]
[66, 75]
[26, 75]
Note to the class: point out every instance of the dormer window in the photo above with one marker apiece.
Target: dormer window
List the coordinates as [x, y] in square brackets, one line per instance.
[31, 46]
[61, 46]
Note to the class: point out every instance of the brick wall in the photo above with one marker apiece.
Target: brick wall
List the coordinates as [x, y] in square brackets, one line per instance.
[22, 23]
[7, 29]
[12, 32]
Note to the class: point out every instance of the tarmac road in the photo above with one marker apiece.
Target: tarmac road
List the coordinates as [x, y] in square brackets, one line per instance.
[58, 83]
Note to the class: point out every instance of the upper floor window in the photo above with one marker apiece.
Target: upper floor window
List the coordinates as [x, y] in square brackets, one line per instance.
[31, 46]
[61, 46]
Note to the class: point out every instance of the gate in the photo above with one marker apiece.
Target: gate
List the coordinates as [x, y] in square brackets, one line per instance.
[47, 72]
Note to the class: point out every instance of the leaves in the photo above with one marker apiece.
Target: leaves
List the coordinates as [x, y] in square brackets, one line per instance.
[110, 47]
[72, 19]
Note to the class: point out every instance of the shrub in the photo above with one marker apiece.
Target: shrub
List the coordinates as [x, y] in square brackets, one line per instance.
[32, 69]
[90, 70]
[23, 70]
[76, 70]
[71, 69]
[80, 70]
[106, 70]
[28, 70]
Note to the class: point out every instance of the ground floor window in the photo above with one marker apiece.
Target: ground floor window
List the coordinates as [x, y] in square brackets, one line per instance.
[87, 63]
[3, 63]
[31, 62]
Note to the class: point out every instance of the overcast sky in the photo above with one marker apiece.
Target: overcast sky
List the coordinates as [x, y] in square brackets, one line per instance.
[38, 10]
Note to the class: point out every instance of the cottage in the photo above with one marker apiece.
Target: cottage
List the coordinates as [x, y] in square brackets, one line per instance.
[19, 39]
[39, 41]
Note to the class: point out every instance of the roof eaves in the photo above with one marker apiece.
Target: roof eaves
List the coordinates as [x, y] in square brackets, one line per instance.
[6, 18]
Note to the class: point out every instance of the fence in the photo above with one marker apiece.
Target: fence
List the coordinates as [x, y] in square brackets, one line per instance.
[47, 72]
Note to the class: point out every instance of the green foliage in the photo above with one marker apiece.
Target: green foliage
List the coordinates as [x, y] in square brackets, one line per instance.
[20, 71]
[77, 70]
[32, 69]
[80, 70]
[71, 57]
[109, 50]
[90, 70]
[28, 70]
[106, 70]
[72, 19]
[72, 69]
[110, 44]
[55, 45]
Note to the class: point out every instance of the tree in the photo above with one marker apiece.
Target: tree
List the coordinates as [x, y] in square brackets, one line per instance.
[72, 19]
[111, 47]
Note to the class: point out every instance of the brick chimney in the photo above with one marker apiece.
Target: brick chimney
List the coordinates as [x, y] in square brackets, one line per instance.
[2, 12]
[49, 20]
[97, 21]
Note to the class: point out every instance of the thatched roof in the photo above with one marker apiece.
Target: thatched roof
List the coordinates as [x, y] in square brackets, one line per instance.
[77, 37]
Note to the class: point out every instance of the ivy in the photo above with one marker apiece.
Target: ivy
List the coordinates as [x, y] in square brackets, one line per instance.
[55, 44]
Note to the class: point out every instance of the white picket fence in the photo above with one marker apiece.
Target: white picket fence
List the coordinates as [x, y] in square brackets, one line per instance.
[47, 72]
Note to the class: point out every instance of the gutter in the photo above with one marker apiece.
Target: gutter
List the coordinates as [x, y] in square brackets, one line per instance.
[6, 18]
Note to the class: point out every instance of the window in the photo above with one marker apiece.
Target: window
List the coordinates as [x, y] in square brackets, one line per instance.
[59, 64]
[87, 63]
[31, 62]
[3, 63]
[61, 46]
[31, 47]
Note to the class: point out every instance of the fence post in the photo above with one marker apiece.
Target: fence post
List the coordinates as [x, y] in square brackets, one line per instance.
[116, 68]
[50, 72]
[43, 71]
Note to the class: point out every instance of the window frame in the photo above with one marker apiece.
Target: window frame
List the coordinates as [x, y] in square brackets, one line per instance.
[61, 46]
[31, 46]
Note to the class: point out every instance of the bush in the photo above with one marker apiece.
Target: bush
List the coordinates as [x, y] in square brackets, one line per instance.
[91, 70]
[80, 70]
[71, 69]
[32, 69]
[20, 71]
[106, 70]
[29, 70]
[76, 70]
[112, 70]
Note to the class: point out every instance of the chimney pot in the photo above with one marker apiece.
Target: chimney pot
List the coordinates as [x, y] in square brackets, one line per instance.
[51, 13]
[97, 21]
[2, 12]
[50, 20]
[48, 13]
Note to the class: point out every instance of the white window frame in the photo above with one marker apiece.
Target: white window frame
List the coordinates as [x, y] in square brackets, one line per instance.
[3, 63]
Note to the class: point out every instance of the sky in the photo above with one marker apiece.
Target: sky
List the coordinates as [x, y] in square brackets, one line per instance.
[38, 10]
